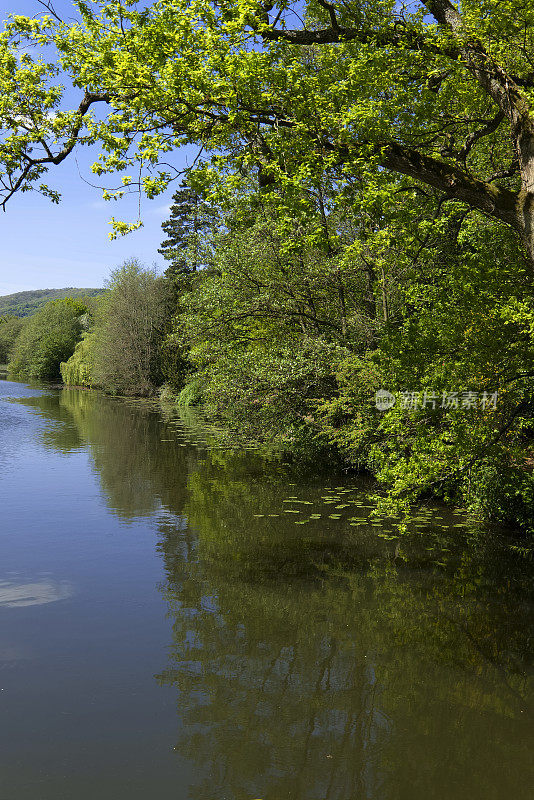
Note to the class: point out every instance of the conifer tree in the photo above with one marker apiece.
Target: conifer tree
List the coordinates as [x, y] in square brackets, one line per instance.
[190, 216]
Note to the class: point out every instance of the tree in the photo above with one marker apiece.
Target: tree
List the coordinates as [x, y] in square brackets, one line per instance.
[191, 221]
[436, 94]
[79, 369]
[269, 321]
[291, 342]
[190, 215]
[10, 328]
[128, 330]
[48, 338]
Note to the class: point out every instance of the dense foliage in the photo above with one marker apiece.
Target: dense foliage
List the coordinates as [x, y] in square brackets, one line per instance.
[291, 340]
[79, 369]
[128, 330]
[48, 338]
[10, 327]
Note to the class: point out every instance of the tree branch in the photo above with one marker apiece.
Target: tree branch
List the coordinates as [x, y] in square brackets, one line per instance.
[489, 198]
[397, 36]
[495, 81]
[331, 12]
[490, 127]
[50, 8]
[88, 100]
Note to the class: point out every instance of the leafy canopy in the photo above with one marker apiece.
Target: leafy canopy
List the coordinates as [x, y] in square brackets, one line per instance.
[357, 88]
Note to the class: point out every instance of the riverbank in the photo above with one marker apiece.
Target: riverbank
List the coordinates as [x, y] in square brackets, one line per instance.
[457, 432]
[298, 465]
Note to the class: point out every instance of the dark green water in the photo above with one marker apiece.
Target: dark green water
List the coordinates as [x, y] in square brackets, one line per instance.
[180, 623]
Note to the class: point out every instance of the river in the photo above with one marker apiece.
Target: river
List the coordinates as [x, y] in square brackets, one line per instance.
[188, 622]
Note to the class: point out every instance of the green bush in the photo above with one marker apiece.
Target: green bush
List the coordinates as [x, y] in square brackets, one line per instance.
[79, 369]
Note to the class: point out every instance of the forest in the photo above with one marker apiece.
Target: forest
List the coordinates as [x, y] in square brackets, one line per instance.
[349, 257]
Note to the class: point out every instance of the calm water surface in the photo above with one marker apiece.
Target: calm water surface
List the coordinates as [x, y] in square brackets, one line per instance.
[191, 623]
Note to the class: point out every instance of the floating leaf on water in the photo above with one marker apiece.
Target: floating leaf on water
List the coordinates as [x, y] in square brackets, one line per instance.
[291, 511]
[315, 516]
[273, 515]
[301, 521]
[258, 515]
[334, 516]
[343, 505]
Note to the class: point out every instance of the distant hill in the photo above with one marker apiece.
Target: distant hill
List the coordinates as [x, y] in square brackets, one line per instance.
[24, 304]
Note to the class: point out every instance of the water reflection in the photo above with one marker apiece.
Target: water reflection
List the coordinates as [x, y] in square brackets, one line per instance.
[19, 594]
[319, 667]
[319, 661]
[139, 473]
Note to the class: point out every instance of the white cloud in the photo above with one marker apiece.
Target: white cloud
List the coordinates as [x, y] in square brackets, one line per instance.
[37, 593]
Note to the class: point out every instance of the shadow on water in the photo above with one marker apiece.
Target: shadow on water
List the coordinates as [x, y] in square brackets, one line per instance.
[313, 655]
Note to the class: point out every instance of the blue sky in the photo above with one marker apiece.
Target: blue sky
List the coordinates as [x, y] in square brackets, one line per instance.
[51, 246]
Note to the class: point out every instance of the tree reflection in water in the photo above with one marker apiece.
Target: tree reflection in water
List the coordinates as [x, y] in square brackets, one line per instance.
[319, 662]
